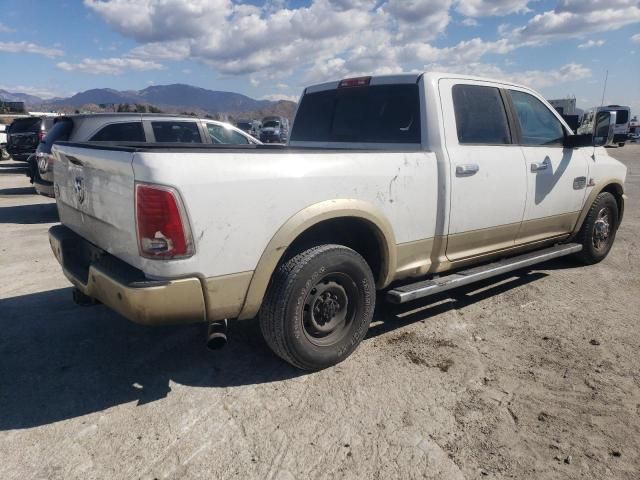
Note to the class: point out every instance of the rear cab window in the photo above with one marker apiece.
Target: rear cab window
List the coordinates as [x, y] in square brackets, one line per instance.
[26, 125]
[176, 131]
[622, 117]
[120, 132]
[363, 114]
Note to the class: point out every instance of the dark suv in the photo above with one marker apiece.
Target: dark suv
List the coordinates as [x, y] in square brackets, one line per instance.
[25, 134]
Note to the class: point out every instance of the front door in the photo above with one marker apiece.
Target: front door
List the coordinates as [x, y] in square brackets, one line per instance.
[487, 171]
[557, 176]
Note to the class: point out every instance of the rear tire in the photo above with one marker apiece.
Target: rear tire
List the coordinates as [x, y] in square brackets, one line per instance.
[599, 229]
[318, 306]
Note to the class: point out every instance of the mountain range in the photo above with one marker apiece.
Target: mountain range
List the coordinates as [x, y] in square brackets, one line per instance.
[170, 98]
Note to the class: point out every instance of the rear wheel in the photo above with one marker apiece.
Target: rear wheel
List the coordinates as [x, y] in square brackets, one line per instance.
[599, 229]
[318, 306]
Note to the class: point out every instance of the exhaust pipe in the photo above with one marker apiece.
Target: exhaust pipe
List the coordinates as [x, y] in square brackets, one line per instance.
[217, 334]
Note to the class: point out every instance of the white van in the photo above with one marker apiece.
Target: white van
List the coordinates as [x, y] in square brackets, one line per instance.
[620, 131]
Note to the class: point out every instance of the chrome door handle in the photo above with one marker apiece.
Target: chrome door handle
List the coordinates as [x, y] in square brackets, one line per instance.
[536, 167]
[466, 170]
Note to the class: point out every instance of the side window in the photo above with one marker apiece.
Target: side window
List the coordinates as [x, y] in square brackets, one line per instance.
[221, 135]
[480, 115]
[181, 132]
[538, 125]
[120, 132]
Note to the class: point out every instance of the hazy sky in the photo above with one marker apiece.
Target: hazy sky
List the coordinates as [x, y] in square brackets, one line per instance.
[271, 49]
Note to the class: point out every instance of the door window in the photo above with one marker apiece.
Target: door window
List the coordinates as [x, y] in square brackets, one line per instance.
[120, 132]
[538, 125]
[180, 132]
[222, 135]
[480, 115]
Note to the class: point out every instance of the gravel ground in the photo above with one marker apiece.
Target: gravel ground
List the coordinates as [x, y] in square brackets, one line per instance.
[533, 375]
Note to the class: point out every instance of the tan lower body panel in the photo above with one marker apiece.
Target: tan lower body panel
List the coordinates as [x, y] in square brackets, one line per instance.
[225, 295]
[413, 258]
[541, 228]
[478, 242]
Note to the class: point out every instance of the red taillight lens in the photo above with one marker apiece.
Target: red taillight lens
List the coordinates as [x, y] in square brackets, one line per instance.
[354, 82]
[41, 135]
[162, 228]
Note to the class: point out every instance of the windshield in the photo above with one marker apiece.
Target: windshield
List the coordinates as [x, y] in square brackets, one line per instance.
[376, 114]
[244, 125]
[271, 123]
[622, 117]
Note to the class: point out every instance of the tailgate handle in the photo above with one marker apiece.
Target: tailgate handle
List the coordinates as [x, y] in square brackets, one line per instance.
[74, 160]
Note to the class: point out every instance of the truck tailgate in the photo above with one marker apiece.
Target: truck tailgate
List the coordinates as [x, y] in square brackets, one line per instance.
[95, 197]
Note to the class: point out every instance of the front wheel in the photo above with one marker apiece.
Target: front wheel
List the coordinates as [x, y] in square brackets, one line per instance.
[318, 306]
[599, 229]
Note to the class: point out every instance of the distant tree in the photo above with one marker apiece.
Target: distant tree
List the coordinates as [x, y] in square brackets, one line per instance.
[153, 109]
[140, 108]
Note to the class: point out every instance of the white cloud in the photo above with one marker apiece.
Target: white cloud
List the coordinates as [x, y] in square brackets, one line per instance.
[576, 18]
[532, 78]
[485, 8]
[592, 43]
[41, 92]
[274, 97]
[109, 66]
[470, 22]
[5, 29]
[28, 47]
[635, 38]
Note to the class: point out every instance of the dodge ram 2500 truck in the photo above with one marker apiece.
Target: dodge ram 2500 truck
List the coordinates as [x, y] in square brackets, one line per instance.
[412, 184]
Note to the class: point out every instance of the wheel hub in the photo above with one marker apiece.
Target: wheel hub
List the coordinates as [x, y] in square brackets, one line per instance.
[327, 310]
[601, 229]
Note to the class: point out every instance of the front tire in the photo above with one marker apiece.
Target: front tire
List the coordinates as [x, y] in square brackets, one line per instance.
[599, 229]
[318, 306]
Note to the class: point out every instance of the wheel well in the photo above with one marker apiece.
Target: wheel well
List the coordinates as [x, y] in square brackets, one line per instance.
[616, 190]
[356, 233]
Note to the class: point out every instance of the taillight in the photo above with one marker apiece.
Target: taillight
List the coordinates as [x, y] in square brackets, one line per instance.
[163, 231]
[41, 135]
[355, 82]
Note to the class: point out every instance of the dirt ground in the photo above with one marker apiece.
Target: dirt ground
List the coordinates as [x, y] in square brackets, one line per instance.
[530, 376]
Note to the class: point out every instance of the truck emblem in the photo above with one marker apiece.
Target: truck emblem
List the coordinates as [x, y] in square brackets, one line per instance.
[80, 190]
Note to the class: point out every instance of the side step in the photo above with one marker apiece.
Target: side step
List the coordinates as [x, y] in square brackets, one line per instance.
[425, 288]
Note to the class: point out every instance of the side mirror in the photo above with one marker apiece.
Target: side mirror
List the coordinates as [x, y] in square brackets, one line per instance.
[603, 129]
[580, 140]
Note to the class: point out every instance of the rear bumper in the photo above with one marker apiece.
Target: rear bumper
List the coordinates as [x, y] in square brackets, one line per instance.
[43, 187]
[124, 288]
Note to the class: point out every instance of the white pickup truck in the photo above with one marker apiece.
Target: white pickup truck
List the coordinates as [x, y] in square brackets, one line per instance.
[387, 184]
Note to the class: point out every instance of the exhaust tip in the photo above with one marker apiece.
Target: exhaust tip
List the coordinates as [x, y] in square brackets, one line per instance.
[217, 335]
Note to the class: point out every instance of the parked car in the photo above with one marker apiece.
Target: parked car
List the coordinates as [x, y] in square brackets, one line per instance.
[252, 127]
[388, 183]
[621, 130]
[25, 134]
[4, 155]
[129, 127]
[274, 130]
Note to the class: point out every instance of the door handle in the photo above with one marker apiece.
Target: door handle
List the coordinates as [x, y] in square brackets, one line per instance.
[536, 167]
[467, 170]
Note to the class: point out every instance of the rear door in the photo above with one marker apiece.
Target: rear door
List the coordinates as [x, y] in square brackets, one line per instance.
[556, 176]
[487, 170]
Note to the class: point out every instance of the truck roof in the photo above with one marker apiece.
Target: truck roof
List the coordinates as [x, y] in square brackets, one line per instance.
[409, 78]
